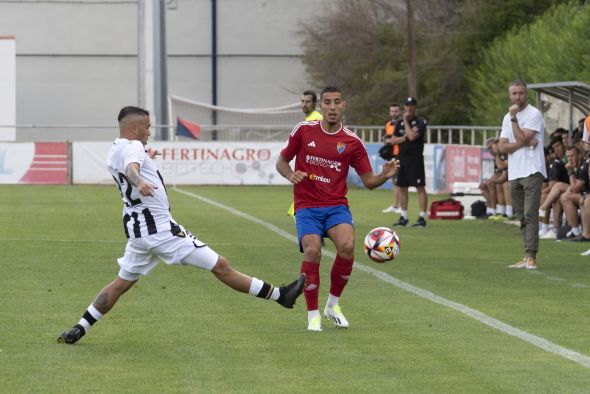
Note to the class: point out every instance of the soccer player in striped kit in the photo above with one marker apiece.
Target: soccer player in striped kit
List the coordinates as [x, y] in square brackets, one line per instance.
[153, 234]
[324, 151]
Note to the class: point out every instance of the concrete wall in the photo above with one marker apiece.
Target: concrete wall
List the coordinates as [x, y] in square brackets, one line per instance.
[77, 62]
[7, 88]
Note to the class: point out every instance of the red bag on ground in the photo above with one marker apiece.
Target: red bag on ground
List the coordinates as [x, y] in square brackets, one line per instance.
[446, 209]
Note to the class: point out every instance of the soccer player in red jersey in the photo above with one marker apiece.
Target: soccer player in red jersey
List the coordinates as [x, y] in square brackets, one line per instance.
[324, 151]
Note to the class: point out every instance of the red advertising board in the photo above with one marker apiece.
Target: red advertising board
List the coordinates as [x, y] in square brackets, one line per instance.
[463, 164]
[49, 164]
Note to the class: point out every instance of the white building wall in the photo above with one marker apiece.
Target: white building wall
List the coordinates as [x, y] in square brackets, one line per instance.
[77, 62]
[7, 88]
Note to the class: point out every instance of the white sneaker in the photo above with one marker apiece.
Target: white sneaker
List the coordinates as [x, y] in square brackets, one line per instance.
[315, 324]
[389, 209]
[572, 234]
[543, 231]
[550, 234]
[335, 314]
[586, 253]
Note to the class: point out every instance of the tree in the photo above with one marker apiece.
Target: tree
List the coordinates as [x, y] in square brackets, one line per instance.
[366, 55]
[360, 45]
[553, 48]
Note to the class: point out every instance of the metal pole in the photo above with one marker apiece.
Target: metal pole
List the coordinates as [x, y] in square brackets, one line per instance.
[411, 39]
[571, 107]
[214, 65]
[145, 55]
[140, 53]
[160, 69]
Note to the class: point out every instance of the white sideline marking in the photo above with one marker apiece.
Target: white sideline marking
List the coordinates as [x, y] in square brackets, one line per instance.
[534, 340]
[73, 240]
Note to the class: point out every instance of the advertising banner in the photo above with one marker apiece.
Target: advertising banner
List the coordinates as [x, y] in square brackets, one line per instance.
[251, 163]
[439, 169]
[463, 164]
[487, 164]
[429, 167]
[191, 163]
[34, 163]
[377, 162]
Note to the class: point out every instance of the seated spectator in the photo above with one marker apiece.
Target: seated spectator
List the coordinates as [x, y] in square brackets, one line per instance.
[544, 225]
[585, 218]
[578, 132]
[570, 200]
[578, 142]
[559, 183]
[585, 214]
[503, 195]
[488, 194]
[496, 188]
[561, 133]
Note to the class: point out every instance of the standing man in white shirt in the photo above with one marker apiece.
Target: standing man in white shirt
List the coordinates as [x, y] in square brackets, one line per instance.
[523, 131]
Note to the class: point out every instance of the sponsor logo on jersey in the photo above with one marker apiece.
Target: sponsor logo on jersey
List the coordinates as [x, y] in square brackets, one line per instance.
[312, 144]
[321, 162]
[340, 146]
[319, 178]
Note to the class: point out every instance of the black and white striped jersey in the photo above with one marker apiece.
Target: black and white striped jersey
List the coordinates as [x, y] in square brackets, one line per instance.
[142, 215]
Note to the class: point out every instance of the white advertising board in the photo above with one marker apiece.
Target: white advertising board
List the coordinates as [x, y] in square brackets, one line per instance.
[190, 163]
[7, 88]
[15, 161]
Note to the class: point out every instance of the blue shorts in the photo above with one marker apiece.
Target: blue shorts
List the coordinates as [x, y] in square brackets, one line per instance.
[320, 220]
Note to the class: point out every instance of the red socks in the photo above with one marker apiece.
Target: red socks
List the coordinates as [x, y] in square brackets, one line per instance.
[340, 274]
[312, 284]
[341, 270]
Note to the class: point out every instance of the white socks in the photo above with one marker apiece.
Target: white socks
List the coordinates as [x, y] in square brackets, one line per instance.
[332, 300]
[509, 211]
[91, 316]
[260, 289]
[312, 314]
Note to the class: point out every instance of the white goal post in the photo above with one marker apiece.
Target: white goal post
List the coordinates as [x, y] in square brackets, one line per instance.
[223, 123]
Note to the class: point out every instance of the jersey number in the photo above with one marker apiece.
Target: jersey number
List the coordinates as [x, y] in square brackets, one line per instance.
[129, 202]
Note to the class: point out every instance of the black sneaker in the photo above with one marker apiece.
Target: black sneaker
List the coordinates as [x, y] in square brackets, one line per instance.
[290, 292]
[580, 238]
[401, 222]
[72, 335]
[421, 222]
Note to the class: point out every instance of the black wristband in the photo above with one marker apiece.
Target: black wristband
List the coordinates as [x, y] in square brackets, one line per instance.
[514, 120]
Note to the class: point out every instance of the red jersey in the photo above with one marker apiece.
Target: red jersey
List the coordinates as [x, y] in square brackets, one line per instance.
[326, 158]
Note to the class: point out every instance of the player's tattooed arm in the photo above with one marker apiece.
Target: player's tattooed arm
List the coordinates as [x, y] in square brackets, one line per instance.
[132, 174]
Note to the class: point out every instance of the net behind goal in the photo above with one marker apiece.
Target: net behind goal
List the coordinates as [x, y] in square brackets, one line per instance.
[232, 124]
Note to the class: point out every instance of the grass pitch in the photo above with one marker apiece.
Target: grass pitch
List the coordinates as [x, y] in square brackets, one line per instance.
[180, 330]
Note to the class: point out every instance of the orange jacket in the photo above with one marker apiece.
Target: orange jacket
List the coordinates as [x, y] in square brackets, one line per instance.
[389, 130]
